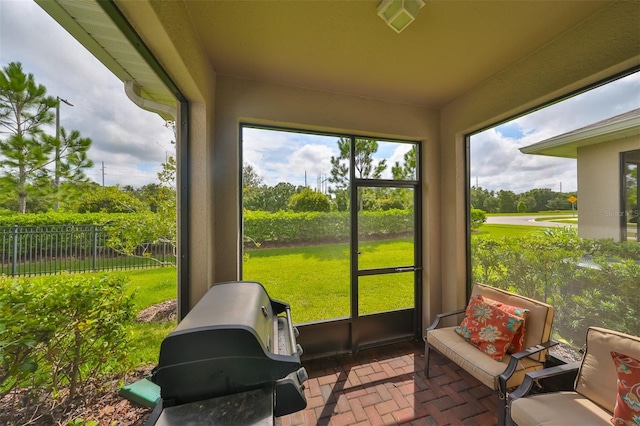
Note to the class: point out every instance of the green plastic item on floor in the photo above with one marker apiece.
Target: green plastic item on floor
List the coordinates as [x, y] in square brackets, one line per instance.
[143, 392]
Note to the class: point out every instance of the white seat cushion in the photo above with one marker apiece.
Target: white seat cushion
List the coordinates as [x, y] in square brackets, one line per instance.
[475, 362]
[558, 409]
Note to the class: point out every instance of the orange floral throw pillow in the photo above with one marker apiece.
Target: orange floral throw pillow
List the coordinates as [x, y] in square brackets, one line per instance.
[488, 327]
[627, 410]
[517, 344]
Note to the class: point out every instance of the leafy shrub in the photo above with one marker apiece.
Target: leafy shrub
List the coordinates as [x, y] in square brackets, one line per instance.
[25, 327]
[478, 217]
[605, 295]
[137, 232]
[309, 201]
[608, 247]
[107, 199]
[57, 332]
[521, 207]
[585, 281]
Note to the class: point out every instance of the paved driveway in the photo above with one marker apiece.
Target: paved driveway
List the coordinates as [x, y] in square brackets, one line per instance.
[525, 220]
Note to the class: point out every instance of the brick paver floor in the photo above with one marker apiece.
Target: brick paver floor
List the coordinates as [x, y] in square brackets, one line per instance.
[387, 386]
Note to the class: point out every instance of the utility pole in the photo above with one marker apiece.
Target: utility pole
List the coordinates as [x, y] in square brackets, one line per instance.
[103, 174]
[57, 165]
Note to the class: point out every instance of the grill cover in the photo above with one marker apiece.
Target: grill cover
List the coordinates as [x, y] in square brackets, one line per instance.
[232, 341]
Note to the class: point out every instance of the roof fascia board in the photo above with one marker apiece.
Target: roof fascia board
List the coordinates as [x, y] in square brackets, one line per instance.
[60, 15]
[130, 34]
[590, 136]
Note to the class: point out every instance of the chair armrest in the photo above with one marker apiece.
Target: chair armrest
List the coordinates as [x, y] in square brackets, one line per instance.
[436, 322]
[530, 378]
[515, 358]
[534, 349]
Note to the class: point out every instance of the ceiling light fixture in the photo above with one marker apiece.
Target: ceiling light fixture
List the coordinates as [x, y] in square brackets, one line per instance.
[399, 13]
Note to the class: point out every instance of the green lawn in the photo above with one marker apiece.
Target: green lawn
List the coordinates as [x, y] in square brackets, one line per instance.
[543, 213]
[151, 286]
[504, 230]
[314, 280]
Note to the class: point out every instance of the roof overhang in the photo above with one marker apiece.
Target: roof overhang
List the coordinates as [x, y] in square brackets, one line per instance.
[567, 144]
[338, 46]
[88, 23]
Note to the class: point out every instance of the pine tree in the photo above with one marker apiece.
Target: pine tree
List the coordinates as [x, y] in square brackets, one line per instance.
[27, 153]
[24, 109]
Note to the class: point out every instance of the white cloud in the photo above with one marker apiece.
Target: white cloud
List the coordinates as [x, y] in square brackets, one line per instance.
[309, 160]
[497, 163]
[283, 156]
[126, 138]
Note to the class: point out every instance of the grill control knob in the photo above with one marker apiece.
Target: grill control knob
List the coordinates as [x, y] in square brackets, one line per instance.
[299, 350]
[295, 331]
[302, 375]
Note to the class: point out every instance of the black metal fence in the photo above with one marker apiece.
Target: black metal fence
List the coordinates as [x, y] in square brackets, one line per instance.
[40, 250]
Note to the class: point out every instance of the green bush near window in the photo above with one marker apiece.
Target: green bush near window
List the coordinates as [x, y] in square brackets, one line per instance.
[58, 332]
[589, 282]
[478, 217]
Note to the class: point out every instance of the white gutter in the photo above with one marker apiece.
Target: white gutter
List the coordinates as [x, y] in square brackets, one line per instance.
[133, 93]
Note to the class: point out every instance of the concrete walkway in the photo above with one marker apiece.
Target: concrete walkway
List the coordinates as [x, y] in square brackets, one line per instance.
[527, 220]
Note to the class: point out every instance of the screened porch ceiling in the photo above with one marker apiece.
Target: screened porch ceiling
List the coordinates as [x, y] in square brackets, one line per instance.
[343, 46]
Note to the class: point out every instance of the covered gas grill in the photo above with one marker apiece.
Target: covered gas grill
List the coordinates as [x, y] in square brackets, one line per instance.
[232, 360]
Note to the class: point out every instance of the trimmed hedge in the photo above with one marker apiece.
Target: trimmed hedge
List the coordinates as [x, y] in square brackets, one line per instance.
[45, 219]
[291, 228]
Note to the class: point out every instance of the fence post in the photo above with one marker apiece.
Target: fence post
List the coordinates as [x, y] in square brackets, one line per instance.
[14, 261]
[95, 247]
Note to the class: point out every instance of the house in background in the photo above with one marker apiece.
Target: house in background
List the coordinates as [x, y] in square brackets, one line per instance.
[608, 157]
[336, 67]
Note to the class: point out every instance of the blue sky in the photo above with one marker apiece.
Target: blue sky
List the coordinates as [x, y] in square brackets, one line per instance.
[497, 163]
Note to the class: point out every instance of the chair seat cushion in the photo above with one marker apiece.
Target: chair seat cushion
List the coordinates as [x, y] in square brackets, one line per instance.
[475, 362]
[558, 409]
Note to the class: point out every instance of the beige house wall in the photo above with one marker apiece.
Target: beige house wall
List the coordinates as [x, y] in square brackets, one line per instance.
[599, 188]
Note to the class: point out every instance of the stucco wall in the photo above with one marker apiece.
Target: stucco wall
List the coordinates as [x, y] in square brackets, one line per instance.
[166, 29]
[599, 188]
[247, 101]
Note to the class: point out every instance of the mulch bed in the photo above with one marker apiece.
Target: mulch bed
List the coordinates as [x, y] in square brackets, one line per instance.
[101, 403]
